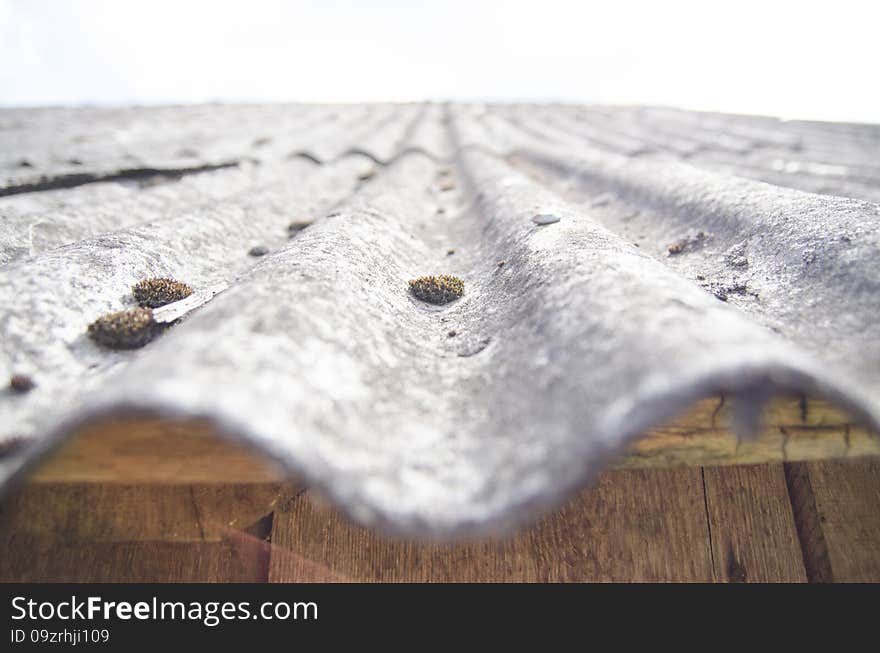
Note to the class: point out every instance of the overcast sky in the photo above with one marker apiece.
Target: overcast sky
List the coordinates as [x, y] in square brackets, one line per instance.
[792, 59]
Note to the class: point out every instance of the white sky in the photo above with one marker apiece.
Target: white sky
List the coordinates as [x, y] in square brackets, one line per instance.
[793, 59]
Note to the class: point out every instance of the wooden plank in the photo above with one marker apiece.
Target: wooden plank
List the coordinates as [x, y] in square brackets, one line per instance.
[186, 452]
[155, 451]
[727, 524]
[847, 504]
[795, 429]
[43, 559]
[806, 518]
[95, 512]
[633, 526]
[753, 533]
[114, 532]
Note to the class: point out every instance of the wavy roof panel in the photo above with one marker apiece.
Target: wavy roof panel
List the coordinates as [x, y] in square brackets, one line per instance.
[619, 264]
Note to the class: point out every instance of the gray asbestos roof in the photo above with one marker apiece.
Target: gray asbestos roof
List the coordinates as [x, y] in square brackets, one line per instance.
[318, 354]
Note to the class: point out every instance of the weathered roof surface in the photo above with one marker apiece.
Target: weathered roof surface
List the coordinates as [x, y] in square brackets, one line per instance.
[591, 331]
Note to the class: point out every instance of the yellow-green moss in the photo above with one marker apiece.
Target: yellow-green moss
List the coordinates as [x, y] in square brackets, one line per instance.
[127, 329]
[158, 291]
[441, 289]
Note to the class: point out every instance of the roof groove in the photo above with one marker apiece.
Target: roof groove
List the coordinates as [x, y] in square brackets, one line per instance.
[74, 284]
[123, 139]
[89, 215]
[790, 254]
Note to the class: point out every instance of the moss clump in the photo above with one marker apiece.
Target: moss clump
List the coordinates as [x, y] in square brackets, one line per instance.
[437, 290]
[156, 292]
[127, 329]
[21, 383]
[297, 225]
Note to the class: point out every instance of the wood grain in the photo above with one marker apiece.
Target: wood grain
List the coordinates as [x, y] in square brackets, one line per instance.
[137, 533]
[633, 526]
[726, 524]
[806, 518]
[847, 502]
[155, 451]
[795, 429]
[41, 559]
[98, 512]
[753, 532]
[186, 452]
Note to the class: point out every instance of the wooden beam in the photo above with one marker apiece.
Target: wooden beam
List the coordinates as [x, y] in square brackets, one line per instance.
[155, 451]
[795, 429]
[186, 452]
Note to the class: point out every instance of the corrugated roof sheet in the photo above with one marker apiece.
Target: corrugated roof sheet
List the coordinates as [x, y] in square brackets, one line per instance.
[679, 255]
